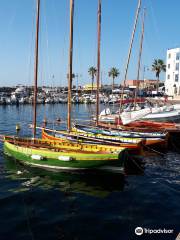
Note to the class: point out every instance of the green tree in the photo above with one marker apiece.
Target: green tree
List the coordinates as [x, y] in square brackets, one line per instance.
[92, 72]
[114, 73]
[158, 66]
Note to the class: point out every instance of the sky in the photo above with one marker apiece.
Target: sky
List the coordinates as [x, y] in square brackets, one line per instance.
[17, 39]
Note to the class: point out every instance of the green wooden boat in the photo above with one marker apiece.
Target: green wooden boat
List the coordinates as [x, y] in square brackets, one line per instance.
[44, 154]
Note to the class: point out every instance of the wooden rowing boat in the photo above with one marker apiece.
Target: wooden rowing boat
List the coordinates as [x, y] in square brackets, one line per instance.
[144, 130]
[136, 147]
[149, 139]
[146, 125]
[63, 155]
[57, 154]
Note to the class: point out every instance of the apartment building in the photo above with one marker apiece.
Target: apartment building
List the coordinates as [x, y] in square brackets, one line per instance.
[172, 82]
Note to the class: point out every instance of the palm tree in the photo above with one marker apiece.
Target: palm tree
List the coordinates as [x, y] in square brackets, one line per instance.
[114, 73]
[158, 66]
[92, 72]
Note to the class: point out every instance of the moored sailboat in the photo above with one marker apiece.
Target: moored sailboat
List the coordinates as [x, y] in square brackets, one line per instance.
[58, 156]
[55, 154]
[134, 146]
[90, 134]
[148, 138]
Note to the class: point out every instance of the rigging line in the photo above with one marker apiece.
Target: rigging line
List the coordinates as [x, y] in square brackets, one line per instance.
[148, 175]
[148, 48]
[31, 45]
[63, 51]
[31, 53]
[11, 18]
[129, 51]
[21, 193]
[174, 145]
[154, 20]
[41, 50]
[94, 58]
[79, 61]
[62, 66]
[49, 63]
[65, 38]
[153, 150]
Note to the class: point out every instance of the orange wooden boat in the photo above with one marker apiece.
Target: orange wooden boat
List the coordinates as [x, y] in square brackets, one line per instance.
[134, 147]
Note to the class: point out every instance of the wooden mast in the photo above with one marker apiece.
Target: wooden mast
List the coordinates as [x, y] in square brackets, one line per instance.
[70, 64]
[139, 58]
[36, 67]
[130, 50]
[98, 60]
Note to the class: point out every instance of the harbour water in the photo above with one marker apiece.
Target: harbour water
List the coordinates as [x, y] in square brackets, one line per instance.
[39, 205]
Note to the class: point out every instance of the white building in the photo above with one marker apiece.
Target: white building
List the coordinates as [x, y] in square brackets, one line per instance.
[172, 83]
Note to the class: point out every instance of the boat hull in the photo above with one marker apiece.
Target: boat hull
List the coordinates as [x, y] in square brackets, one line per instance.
[172, 116]
[136, 148]
[134, 145]
[51, 159]
[149, 139]
[123, 141]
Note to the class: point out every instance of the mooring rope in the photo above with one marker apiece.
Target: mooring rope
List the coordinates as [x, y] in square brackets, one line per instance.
[153, 150]
[148, 175]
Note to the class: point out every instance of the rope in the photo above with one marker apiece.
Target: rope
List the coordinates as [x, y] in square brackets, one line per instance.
[24, 204]
[153, 150]
[26, 214]
[148, 175]
[132, 159]
[173, 145]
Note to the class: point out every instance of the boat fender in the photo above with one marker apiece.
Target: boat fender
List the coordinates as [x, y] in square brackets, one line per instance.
[18, 127]
[65, 158]
[37, 157]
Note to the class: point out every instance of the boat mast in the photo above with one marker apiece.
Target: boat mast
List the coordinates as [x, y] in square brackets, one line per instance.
[70, 64]
[98, 60]
[36, 67]
[139, 58]
[130, 50]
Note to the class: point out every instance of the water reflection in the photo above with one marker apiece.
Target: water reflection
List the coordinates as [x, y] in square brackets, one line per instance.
[94, 183]
[134, 165]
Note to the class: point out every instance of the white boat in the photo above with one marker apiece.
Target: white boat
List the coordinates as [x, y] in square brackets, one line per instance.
[107, 116]
[131, 116]
[176, 106]
[164, 116]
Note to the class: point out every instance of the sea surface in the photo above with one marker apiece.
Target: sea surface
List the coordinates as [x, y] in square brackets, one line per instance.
[36, 204]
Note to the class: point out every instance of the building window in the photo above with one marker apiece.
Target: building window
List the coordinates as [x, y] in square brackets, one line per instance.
[177, 56]
[168, 76]
[168, 65]
[176, 77]
[177, 67]
[169, 55]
